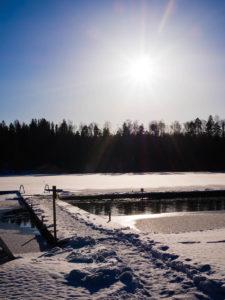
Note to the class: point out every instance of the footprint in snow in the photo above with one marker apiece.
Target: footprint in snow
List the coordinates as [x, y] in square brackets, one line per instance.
[163, 248]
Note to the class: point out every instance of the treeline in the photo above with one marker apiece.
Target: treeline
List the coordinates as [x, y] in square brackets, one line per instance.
[42, 146]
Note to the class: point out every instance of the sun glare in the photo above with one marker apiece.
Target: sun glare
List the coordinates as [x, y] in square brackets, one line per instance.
[141, 70]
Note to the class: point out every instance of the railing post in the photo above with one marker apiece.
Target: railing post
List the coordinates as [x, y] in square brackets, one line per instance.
[109, 205]
[54, 195]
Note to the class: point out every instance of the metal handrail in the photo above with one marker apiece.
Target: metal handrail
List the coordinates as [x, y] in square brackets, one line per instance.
[22, 189]
[46, 188]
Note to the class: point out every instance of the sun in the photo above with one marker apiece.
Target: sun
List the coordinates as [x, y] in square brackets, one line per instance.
[141, 70]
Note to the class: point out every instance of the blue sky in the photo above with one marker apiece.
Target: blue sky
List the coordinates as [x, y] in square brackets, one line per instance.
[71, 59]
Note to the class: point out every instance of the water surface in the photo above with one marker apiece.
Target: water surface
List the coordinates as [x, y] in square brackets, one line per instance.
[137, 207]
[17, 228]
[18, 219]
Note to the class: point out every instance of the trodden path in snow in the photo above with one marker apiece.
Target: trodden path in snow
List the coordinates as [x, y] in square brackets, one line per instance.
[102, 261]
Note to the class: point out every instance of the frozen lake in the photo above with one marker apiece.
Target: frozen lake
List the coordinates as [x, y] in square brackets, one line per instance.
[34, 184]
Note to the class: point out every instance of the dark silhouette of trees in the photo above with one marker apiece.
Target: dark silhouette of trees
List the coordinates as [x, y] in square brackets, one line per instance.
[176, 127]
[210, 126]
[42, 146]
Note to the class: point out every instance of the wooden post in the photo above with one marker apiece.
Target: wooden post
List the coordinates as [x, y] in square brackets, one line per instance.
[109, 216]
[109, 208]
[54, 195]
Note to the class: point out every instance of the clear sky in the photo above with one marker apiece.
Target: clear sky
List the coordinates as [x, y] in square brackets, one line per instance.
[112, 60]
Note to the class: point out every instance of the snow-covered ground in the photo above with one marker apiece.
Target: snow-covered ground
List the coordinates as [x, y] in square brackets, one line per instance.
[198, 237]
[100, 260]
[34, 184]
[200, 247]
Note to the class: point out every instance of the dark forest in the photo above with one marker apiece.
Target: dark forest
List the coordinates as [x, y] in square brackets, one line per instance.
[42, 146]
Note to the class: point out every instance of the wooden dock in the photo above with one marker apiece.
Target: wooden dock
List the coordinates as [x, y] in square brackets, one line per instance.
[38, 222]
[146, 195]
